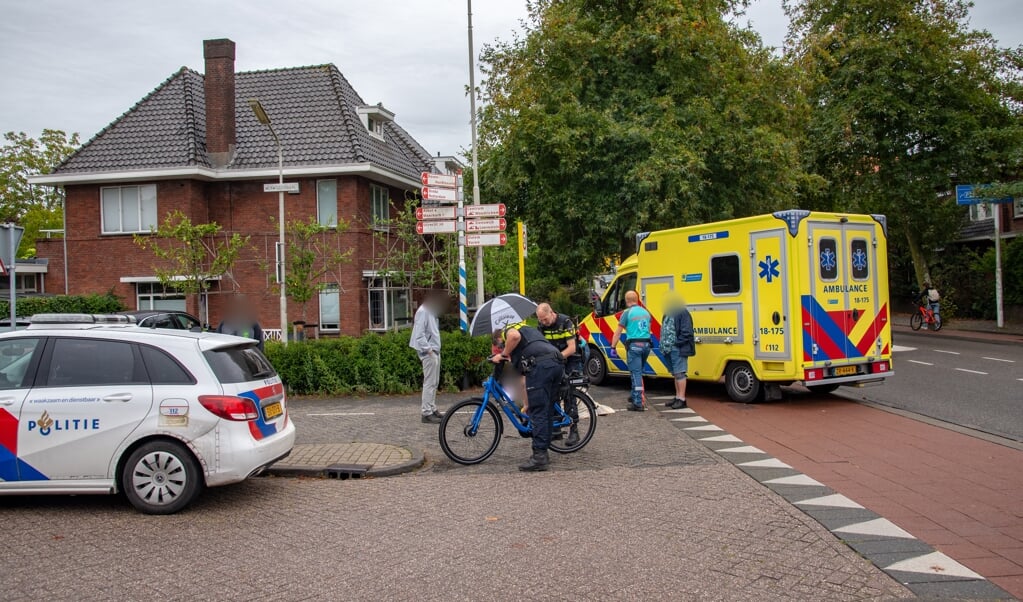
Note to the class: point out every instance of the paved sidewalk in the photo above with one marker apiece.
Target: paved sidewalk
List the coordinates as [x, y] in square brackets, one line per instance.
[345, 460]
[970, 330]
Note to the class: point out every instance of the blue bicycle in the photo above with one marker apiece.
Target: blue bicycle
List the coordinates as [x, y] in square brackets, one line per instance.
[471, 430]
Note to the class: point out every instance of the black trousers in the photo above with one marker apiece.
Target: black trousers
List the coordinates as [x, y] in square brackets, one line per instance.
[542, 384]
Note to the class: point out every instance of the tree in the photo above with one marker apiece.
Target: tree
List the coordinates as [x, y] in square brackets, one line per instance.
[906, 102]
[313, 253]
[610, 117]
[403, 255]
[191, 255]
[33, 207]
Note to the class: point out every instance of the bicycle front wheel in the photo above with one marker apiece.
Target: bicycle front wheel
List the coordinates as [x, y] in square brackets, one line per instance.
[463, 439]
[916, 321]
[586, 423]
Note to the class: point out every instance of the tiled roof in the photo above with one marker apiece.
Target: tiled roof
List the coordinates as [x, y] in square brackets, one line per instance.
[314, 111]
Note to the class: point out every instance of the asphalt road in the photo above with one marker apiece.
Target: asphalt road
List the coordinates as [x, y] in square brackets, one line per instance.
[971, 384]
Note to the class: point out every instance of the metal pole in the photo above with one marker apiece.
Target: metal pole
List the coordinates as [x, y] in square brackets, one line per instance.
[280, 255]
[475, 160]
[463, 311]
[998, 264]
[520, 228]
[10, 272]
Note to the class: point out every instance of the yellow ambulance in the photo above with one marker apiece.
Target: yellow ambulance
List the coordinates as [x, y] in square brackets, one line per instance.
[793, 296]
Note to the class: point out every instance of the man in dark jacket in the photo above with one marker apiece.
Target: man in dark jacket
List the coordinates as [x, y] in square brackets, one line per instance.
[560, 331]
[541, 363]
[677, 345]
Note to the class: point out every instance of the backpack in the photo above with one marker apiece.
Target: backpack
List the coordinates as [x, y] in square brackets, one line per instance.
[933, 296]
[668, 339]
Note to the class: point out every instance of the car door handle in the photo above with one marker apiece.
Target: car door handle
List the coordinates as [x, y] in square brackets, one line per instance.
[7, 401]
[118, 397]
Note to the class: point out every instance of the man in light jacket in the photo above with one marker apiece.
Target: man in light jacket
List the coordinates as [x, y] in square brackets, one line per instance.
[426, 341]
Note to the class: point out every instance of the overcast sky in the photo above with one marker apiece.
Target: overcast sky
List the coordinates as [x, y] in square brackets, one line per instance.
[76, 66]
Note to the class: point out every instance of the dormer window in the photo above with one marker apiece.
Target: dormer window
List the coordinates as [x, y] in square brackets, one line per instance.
[374, 117]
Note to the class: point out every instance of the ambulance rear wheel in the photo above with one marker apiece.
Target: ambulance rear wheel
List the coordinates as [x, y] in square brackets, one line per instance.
[596, 368]
[742, 384]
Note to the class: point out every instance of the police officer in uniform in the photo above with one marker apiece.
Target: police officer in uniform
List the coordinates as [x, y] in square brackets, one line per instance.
[542, 365]
[560, 331]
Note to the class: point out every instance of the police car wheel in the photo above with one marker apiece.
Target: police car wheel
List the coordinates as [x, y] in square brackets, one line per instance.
[596, 368]
[161, 477]
[742, 384]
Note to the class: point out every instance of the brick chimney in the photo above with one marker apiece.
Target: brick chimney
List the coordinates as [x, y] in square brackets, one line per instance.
[219, 88]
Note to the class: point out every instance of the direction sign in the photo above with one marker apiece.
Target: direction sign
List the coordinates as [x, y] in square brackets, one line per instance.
[441, 195]
[437, 227]
[281, 187]
[428, 213]
[968, 194]
[486, 240]
[486, 225]
[438, 180]
[495, 210]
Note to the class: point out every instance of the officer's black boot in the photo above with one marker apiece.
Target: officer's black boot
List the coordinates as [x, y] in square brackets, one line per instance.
[537, 462]
[573, 437]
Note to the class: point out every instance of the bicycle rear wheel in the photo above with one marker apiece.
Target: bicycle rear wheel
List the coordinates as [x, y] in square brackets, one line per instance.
[586, 423]
[916, 321]
[464, 442]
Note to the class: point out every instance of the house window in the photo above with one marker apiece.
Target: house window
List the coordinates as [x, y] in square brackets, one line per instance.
[1017, 207]
[380, 206]
[375, 127]
[981, 212]
[724, 275]
[153, 295]
[389, 305]
[326, 203]
[23, 284]
[330, 308]
[128, 209]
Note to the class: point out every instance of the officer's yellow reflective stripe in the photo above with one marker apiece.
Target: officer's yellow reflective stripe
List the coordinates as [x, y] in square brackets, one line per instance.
[554, 336]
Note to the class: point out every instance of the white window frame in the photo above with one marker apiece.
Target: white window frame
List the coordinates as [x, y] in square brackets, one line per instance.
[155, 291]
[107, 228]
[331, 220]
[374, 192]
[330, 290]
[19, 283]
[384, 288]
[980, 212]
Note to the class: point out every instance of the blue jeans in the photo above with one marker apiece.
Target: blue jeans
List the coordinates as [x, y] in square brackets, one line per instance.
[638, 351]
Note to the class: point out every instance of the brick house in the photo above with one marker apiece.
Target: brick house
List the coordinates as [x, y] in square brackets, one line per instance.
[194, 145]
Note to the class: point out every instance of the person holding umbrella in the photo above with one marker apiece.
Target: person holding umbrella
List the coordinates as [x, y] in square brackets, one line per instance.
[543, 366]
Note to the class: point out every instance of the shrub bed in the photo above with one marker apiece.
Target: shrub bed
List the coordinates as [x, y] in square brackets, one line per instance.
[63, 304]
[374, 363]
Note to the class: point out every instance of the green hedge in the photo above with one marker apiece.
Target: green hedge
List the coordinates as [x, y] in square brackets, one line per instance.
[64, 304]
[374, 363]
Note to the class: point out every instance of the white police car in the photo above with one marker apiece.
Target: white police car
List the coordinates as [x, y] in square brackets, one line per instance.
[95, 404]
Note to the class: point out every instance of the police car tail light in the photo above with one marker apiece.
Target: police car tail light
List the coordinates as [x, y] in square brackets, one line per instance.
[230, 407]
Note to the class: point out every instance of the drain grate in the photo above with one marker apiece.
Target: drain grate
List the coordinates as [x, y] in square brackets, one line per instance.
[347, 471]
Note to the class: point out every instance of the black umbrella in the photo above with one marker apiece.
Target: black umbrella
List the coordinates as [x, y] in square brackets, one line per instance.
[500, 312]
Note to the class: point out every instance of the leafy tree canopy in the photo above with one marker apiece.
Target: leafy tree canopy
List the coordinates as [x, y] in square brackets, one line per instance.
[609, 117]
[906, 101]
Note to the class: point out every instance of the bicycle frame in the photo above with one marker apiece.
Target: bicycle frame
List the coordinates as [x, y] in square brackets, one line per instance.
[927, 313]
[494, 393]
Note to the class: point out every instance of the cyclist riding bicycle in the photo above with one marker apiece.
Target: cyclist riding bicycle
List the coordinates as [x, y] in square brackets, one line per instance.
[930, 299]
[541, 363]
[560, 331]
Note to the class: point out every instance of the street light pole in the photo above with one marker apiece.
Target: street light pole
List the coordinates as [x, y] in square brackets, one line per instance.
[475, 161]
[263, 118]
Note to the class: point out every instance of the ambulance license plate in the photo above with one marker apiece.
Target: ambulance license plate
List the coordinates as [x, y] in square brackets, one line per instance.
[273, 410]
[845, 370]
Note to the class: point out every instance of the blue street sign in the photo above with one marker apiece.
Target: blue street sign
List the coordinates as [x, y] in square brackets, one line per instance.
[966, 195]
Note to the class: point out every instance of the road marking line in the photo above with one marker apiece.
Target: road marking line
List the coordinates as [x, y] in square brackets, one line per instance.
[682, 411]
[745, 449]
[796, 479]
[998, 359]
[921, 363]
[972, 371]
[900, 348]
[730, 438]
[836, 500]
[345, 414]
[704, 427]
[934, 563]
[879, 526]
[690, 419]
[768, 463]
[948, 352]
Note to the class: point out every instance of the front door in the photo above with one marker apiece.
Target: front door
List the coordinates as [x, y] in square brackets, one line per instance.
[771, 336]
[90, 395]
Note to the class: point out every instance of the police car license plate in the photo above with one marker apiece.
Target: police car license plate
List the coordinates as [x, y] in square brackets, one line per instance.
[845, 370]
[273, 410]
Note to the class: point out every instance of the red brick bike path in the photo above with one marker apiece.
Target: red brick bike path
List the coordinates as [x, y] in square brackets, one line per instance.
[960, 494]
